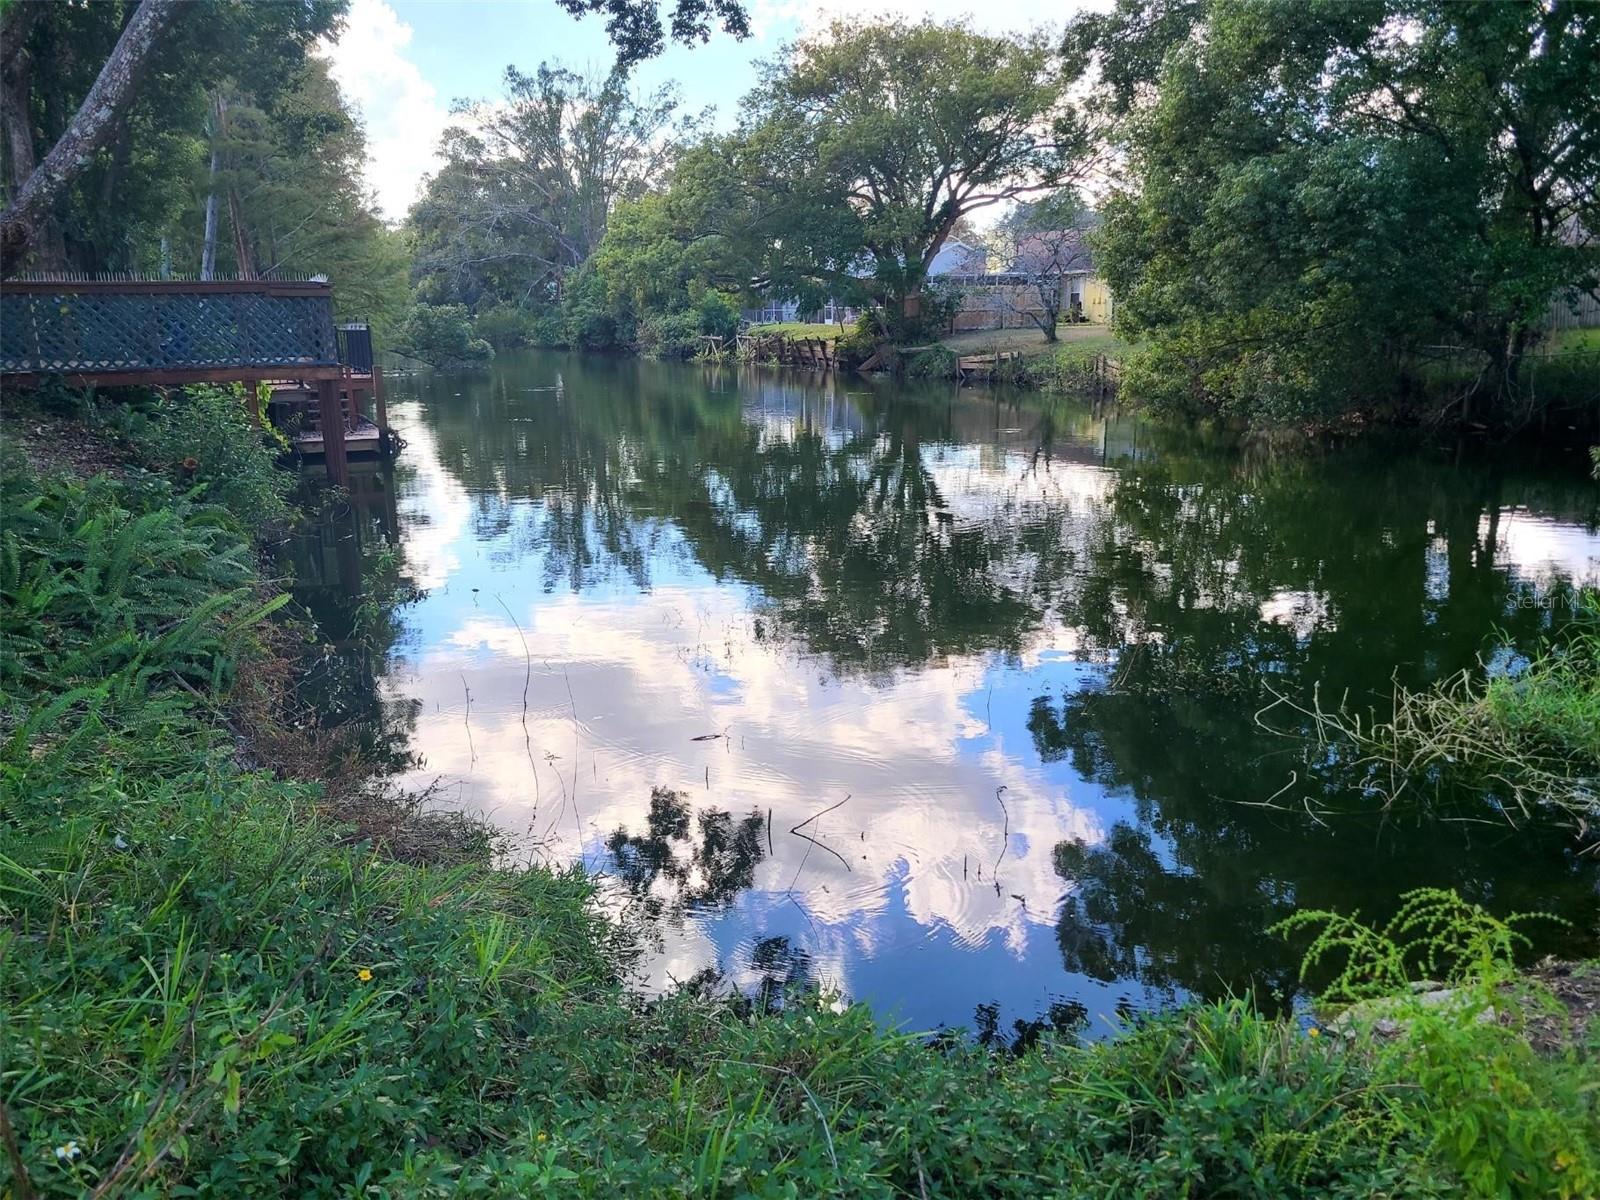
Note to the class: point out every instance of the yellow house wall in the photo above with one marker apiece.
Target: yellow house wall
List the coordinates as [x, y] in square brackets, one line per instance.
[1097, 303]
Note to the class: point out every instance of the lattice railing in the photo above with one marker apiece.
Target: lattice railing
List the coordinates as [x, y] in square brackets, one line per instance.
[103, 328]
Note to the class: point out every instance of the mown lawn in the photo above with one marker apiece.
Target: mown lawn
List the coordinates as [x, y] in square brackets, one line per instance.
[802, 329]
[1096, 338]
[1565, 341]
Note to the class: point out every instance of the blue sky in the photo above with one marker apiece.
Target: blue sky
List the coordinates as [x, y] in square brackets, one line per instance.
[404, 62]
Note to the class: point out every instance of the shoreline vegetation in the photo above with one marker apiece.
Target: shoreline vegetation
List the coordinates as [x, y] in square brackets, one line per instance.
[222, 973]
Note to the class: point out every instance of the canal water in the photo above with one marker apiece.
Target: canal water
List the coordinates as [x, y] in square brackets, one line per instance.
[963, 704]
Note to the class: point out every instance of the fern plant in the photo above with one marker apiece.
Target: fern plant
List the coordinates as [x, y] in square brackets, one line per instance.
[1435, 934]
[107, 590]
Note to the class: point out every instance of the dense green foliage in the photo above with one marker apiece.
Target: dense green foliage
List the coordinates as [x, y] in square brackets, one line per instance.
[1491, 1119]
[442, 334]
[529, 183]
[202, 438]
[837, 188]
[149, 184]
[238, 140]
[822, 192]
[1285, 158]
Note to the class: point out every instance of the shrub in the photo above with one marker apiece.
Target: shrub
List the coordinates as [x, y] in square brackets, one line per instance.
[1504, 1120]
[590, 319]
[717, 314]
[505, 326]
[669, 335]
[859, 343]
[442, 334]
[203, 436]
[940, 301]
[548, 329]
[939, 362]
[1065, 368]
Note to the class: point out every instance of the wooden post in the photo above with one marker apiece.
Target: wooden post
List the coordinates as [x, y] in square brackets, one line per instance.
[380, 406]
[330, 408]
[252, 401]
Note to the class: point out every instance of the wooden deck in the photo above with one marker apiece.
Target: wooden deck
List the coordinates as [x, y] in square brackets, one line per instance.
[365, 437]
[985, 366]
[122, 331]
[300, 407]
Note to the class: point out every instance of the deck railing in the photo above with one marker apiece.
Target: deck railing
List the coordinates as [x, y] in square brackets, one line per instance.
[355, 346]
[147, 327]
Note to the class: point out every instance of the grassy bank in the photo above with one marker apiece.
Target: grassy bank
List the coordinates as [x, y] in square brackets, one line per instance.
[1525, 738]
[215, 984]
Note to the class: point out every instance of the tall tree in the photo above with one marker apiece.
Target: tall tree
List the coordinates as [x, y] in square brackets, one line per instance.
[129, 172]
[895, 132]
[288, 192]
[1044, 244]
[1286, 158]
[45, 184]
[529, 183]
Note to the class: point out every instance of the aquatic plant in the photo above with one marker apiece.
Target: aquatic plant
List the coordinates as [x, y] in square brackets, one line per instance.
[1527, 738]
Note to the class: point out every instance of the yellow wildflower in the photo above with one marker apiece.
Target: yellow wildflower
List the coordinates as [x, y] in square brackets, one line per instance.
[365, 975]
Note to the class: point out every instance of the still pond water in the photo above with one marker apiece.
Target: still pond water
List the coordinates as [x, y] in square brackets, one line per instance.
[945, 700]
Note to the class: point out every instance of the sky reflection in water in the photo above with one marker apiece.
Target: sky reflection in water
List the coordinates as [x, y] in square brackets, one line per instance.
[673, 614]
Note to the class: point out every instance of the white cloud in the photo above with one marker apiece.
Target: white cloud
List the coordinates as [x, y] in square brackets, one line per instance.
[401, 110]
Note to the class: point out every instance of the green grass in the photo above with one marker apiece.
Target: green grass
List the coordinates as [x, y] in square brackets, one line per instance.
[802, 329]
[1087, 338]
[212, 988]
[1529, 739]
[1567, 340]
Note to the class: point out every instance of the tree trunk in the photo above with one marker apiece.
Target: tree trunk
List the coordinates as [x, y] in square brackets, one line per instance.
[16, 112]
[208, 246]
[243, 259]
[97, 117]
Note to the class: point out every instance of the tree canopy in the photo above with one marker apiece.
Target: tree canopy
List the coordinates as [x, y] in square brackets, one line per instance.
[874, 140]
[1321, 194]
[530, 182]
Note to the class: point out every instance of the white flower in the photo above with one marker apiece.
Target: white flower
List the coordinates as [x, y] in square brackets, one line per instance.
[68, 1152]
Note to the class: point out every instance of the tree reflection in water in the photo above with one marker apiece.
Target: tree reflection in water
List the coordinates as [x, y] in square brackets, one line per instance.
[678, 864]
[685, 863]
[890, 533]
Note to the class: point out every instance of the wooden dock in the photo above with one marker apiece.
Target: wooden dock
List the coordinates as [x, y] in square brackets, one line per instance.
[121, 331]
[985, 366]
[298, 408]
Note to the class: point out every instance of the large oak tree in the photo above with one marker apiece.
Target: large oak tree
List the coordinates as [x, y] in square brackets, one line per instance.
[889, 133]
[1321, 193]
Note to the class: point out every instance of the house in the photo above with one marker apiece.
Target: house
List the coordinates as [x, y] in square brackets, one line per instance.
[1006, 299]
[956, 257]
